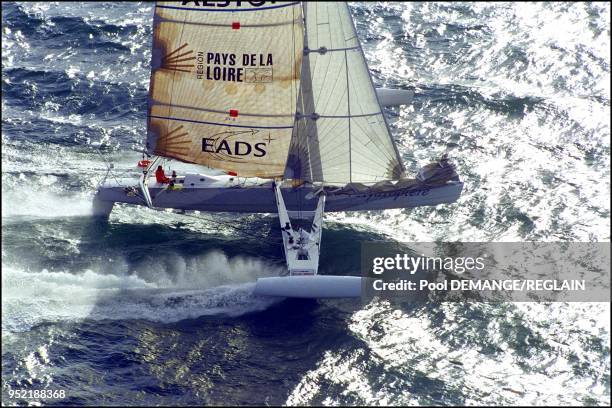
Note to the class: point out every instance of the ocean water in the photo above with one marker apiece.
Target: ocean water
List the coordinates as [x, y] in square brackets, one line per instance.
[156, 308]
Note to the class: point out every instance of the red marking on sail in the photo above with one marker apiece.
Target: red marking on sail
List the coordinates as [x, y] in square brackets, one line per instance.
[235, 25]
[231, 173]
[233, 113]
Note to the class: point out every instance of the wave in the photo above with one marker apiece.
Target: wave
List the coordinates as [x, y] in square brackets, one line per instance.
[78, 30]
[33, 202]
[73, 93]
[462, 96]
[165, 292]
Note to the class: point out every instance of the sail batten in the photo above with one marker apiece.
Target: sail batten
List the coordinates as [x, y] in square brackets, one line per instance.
[220, 124]
[229, 75]
[287, 4]
[262, 115]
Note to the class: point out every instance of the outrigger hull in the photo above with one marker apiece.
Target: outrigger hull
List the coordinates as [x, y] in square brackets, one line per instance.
[319, 286]
[260, 199]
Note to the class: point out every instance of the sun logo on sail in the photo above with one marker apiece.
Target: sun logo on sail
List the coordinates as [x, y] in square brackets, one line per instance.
[175, 143]
[179, 61]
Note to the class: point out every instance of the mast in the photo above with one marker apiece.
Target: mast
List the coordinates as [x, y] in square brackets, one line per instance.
[304, 149]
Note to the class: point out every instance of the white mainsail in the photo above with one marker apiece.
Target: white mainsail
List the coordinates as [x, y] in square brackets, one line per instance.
[341, 134]
[224, 83]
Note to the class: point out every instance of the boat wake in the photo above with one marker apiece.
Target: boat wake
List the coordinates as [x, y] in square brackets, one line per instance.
[38, 203]
[31, 298]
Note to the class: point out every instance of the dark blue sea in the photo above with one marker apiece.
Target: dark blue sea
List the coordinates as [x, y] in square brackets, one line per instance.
[155, 308]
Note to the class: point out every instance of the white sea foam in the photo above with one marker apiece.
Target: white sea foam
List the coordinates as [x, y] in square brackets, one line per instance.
[166, 288]
[38, 203]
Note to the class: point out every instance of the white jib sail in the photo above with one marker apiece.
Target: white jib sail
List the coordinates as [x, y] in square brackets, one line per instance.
[224, 83]
[342, 135]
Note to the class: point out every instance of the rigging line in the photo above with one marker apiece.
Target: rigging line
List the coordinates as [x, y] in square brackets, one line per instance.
[230, 224]
[223, 223]
[108, 168]
[324, 50]
[293, 97]
[362, 115]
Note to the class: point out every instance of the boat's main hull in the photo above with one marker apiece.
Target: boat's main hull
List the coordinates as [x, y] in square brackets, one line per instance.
[260, 199]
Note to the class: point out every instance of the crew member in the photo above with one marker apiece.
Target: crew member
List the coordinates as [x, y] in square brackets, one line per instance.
[172, 180]
[160, 176]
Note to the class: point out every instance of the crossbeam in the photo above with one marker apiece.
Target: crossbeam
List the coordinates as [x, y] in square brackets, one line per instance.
[143, 183]
[301, 247]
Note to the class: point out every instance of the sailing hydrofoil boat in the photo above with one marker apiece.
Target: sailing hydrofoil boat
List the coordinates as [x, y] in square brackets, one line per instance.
[278, 96]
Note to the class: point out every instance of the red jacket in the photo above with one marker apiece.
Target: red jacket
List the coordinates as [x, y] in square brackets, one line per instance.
[160, 176]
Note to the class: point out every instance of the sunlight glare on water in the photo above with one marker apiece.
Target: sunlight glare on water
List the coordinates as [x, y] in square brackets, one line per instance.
[518, 95]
